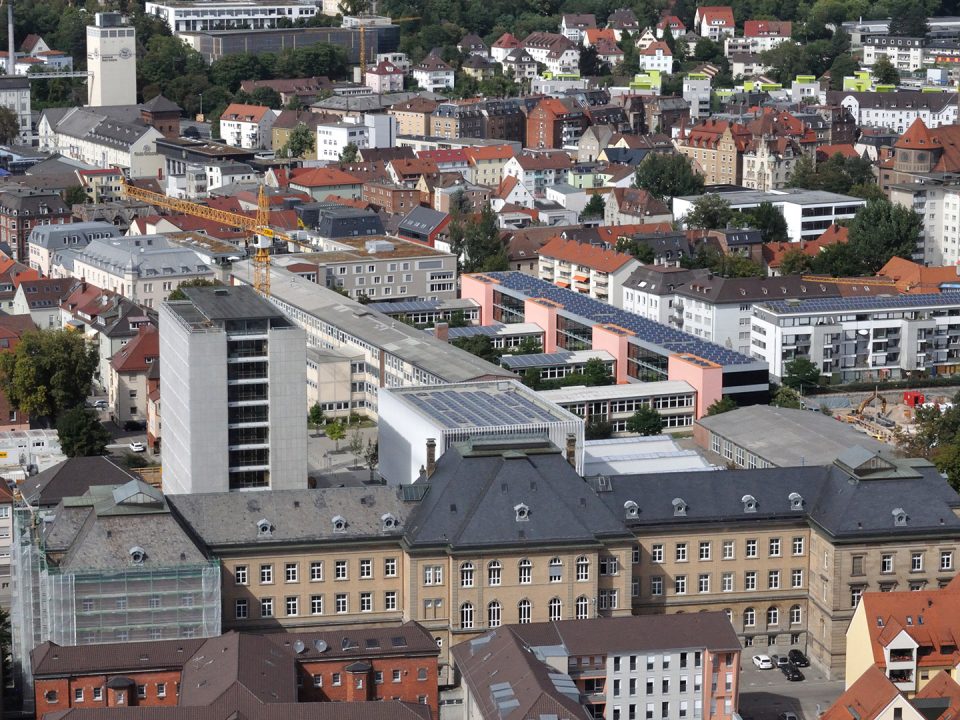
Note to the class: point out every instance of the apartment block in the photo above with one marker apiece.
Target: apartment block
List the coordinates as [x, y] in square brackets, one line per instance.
[589, 269]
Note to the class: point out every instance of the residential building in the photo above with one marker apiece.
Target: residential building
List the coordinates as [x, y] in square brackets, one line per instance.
[109, 566]
[716, 149]
[130, 370]
[765, 35]
[478, 67]
[15, 96]
[183, 17]
[424, 225]
[677, 28]
[333, 138]
[769, 164]
[696, 91]
[808, 212]
[559, 54]
[623, 20]
[45, 240]
[656, 57]
[644, 350]
[112, 61]
[906, 54]
[485, 164]
[385, 77]
[538, 170]
[247, 126]
[473, 44]
[101, 184]
[911, 635]
[306, 90]
[574, 27]
[626, 206]
[143, 268]
[433, 74]
[898, 110]
[555, 124]
[456, 120]
[288, 120]
[321, 183]
[503, 46]
[390, 197]
[650, 290]
[614, 666]
[21, 210]
[521, 63]
[413, 116]
[233, 371]
[886, 337]
[594, 270]
[715, 21]
[40, 299]
[875, 697]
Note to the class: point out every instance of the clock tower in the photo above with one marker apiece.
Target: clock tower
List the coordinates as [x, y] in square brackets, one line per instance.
[112, 61]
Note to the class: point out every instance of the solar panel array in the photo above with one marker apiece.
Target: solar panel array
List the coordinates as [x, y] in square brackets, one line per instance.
[478, 408]
[515, 362]
[472, 330]
[392, 308]
[881, 302]
[664, 336]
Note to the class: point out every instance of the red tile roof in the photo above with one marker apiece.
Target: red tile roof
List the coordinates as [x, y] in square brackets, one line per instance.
[446, 155]
[489, 152]
[653, 47]
[321, 177]
[713, 14]
[911, 277]
[917, 137]
[611, 233]
[506, 42]
[591, 256]
[239, 112]
[595, 34]
[767, 28]
[825, 152]
[139, 354]
[863, 700]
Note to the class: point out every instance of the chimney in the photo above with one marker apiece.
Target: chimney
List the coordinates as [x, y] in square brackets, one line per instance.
[442, 330]
[431, 456]
[571, 451]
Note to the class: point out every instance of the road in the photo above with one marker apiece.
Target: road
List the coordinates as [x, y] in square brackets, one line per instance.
[765, 694]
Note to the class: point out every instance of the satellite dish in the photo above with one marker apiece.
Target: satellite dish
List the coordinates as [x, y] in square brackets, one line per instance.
[320, 645]
[298, 646]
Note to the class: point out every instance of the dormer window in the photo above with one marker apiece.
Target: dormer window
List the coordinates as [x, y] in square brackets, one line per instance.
[264, 528]
[796, 501]
[899, 517]
[522, 511]
[631, 509]
[749, 503]
[389, 521]
[679, 507]
[137, 554]
[339, 524]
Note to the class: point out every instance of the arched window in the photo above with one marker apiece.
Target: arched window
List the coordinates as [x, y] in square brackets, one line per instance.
[526, 572]
[556, 609]
[466, 616]
[493, 614]
[796, 615]
[556, 570]
[773, 616]
[524, 611]
[583, 568]
[749, 617]
[583, 608]
[466, 575]
[493, 572]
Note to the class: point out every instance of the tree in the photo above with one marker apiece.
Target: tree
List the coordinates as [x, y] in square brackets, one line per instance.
[336, 432]
[349, 154]
[354, 7]
[710, 211]
[795, 262]
[843, 66]
[9, 125]
[595, 207]
[479, 345]
[179, 293]
[786, 398]
[48, 372]
[640, 250]
[483, 248]
[884, 72]
[787, 61]
[668, 175]
[81, 433]
[356, 444]
[74, 195]
[595, 373]
[598, 430]
[371, 456]
[645, 421]
[724, 404]
[300, 141]
[315, 415]
[881, 230]
[266, 96]
[801, 372]
[908, 19]
[769, 221]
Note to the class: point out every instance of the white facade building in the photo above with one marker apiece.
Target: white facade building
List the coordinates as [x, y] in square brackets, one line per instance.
[807, 212]
[696, 91]
[897, 110]
[939, 204]
[225, 14]
[904, 53]
[248, 126]
[15, 96]
[433, 74]
[332, 138]
[233, 369]
[112, 62]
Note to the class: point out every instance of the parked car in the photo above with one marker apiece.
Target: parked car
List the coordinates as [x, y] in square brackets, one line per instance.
[100, 404]
[134, 425]
[781, 661]
[763, 662]
[792, 673]
[137, 447]
[798, 658]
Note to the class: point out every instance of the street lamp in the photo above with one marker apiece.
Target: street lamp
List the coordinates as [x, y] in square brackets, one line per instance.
[201, 104]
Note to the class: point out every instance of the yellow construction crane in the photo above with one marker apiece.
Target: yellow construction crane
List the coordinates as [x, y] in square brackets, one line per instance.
[259, 227]
[363, 44]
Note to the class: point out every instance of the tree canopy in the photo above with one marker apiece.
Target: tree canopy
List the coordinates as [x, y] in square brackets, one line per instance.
[801, 372]
[645, 421]
[709, 212]
[884, 72]
[9, 125]
[668, 175]
[936, 438]
[724, 404]
[838, 174]
[81, 433]
[300, 142]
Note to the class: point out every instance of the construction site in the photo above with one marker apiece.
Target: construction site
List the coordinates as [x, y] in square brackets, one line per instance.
[881, 414]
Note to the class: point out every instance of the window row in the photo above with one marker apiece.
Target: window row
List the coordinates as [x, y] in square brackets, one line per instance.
[682, 584]
[887, 562]
[292, 574]
[292, 606]
[794, 616]
[728, 549]
[433, 574]
[469, 619]
[396, 676]
[97, 695]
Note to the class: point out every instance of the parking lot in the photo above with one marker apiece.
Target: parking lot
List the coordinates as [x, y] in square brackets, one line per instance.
[765, 694]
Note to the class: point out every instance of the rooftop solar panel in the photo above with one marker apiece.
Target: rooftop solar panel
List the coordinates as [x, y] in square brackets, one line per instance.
[392, 308]
[853, 304]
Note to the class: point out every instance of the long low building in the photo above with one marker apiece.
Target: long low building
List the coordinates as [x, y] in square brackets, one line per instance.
[860, 339]
[183, 16]
[558, 364]
[644, 350]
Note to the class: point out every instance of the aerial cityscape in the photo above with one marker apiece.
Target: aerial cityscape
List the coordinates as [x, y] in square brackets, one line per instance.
[432, 360]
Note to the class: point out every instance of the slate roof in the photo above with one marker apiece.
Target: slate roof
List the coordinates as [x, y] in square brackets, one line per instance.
[230, 519]
[423, 220]
[51, 660]
[662, 279]
[717, 290]
[236, 705]
[96, 126]
[71, 478]
[161, 104]
[408, 639]
[45, 292]
[472, 495]
[145, 256]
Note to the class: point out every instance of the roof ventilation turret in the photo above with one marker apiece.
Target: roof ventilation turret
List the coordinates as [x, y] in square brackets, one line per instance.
[899, 517]
[679, 507]
[796, 501]
[631, 509]
[522, 511]
[749, 503]
[339, 524]
[264, 528]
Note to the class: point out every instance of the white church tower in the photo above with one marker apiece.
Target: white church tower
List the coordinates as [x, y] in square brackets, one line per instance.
[112, 61]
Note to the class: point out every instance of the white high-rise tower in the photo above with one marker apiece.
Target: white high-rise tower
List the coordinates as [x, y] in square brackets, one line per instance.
[112, 60]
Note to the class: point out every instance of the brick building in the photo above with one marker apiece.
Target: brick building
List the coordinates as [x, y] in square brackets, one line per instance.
[391, 197]
[22, 209]
[555, 124]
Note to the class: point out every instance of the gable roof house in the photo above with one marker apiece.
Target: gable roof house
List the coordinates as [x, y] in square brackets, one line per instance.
[594, 270]
[248, 126]
[714, 21]
[557, 52]
[40, 299]
[574, 26]
[625, 206]
[130, 368]
[433, 74]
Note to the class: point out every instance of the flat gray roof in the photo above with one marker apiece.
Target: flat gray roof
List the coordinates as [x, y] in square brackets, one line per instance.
[795, 196]
[226, 302]
[789, 438]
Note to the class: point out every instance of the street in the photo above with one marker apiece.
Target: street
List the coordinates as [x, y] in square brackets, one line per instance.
[765, 694]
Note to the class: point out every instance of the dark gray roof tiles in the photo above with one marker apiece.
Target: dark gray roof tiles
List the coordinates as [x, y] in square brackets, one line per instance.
[238, 705]
[231, 519]
[473, 501]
